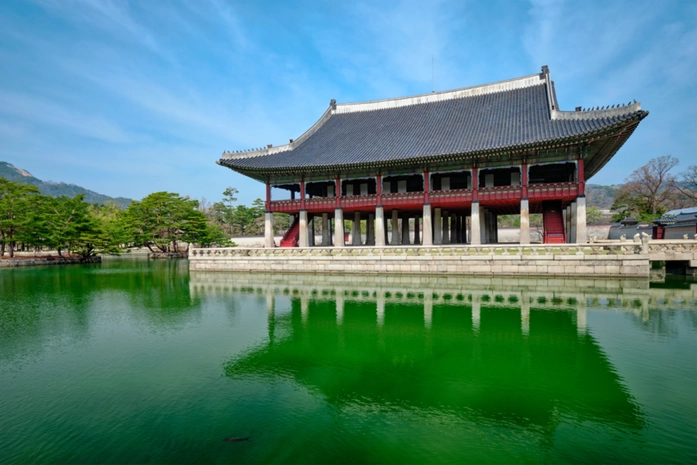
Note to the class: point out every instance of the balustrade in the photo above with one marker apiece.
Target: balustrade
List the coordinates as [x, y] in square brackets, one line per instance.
[553, 191]
[487, 250]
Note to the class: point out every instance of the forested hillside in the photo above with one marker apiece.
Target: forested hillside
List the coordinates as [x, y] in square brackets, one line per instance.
[57, 189]
[601, 196]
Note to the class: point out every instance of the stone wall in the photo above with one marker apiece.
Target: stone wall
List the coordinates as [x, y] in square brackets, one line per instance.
[40, 261]
[558, 260]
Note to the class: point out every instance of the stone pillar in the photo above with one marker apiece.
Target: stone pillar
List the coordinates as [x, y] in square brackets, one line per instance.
[460, 222]
[405, 229]
[311, 231]
[581, 230]
[395, 228]
[302, 240]
[483, 225]
[356, 230]
[339, 228]
[370, 230]
[466, 236]
[453, 228]
[464, 229]
[494, 218]
[325, 230]
[428, 226]
[524, 222]
[437, 234]
[268, 230]
[573, 223]
[446, 228]
[330, 231]
[567, 223]
[417, 233]
[475, 230]
[379, 227]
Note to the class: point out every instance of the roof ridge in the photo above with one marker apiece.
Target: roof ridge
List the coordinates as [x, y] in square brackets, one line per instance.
[463, 92]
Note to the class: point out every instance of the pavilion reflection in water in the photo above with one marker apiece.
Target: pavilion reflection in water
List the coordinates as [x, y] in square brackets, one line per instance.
[518, 356]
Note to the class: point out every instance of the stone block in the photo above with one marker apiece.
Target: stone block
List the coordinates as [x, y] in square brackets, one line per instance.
[510, 269]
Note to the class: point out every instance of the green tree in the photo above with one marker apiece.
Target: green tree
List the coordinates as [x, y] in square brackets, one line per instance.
[159, 220]
[111, 233]
[594, 215]
[214, 236]
[226, 209]
[163, 220]
[69, 224]
[16, 201]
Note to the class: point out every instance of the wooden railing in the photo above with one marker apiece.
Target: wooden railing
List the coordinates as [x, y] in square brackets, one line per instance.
[448, 198]
[553, 191]
[487, 250]
[451, 198]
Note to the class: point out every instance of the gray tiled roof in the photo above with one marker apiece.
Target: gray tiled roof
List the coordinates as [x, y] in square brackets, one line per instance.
[474, 121]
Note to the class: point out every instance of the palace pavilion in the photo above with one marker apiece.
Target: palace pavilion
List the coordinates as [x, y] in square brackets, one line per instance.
[439, 168]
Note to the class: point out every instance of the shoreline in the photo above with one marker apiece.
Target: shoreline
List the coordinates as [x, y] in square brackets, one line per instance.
[47, 260]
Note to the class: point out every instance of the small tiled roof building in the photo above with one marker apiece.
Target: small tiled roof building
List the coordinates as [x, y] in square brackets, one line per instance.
[443, 164]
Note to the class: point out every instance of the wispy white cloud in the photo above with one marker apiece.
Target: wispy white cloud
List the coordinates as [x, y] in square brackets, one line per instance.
[44, 113]
[113, 17]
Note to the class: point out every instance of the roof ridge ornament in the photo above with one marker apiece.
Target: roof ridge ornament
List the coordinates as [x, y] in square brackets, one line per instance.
[551, 96]
[605, 111]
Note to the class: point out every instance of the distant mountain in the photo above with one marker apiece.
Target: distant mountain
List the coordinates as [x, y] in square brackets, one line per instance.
[57, 189]
[601, 196]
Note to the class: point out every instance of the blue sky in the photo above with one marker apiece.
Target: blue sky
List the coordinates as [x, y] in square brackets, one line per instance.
[128, 98]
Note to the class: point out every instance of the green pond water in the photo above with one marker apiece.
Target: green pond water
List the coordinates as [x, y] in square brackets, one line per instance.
[133, 362]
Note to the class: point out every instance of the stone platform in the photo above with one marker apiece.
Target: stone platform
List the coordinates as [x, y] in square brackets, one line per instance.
[629, 259]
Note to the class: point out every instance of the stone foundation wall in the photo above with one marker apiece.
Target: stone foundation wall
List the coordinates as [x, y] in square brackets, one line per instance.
[48, 261]
[166, 255]
[566, 261]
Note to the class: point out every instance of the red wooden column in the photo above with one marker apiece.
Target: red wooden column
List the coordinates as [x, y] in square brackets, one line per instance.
[475, 185]
[581, 178]
[337, 192]
[378, 188]
[524, 180]
[268, 196]
[302, 194]
[427, 187]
